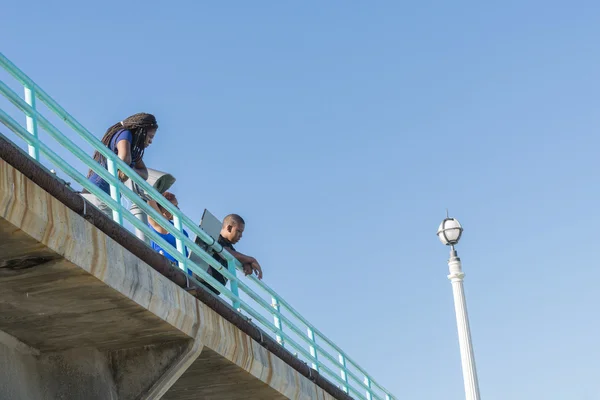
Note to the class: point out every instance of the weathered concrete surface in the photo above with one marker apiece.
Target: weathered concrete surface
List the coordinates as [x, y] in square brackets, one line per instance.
[211, 377]
[81, 373]
[70, 291]
[74, 374]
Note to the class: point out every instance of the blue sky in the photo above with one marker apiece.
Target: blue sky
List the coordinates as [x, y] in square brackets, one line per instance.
[341, 131]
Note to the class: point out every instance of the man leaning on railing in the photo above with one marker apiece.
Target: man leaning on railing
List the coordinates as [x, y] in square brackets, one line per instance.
[231, 233]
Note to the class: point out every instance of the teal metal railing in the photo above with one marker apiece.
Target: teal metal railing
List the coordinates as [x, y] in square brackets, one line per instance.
[250, 296]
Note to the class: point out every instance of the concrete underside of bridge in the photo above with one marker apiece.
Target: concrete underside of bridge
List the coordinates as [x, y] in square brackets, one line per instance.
[81, 317]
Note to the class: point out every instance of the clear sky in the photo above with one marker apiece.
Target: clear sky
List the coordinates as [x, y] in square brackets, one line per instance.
[341, 131]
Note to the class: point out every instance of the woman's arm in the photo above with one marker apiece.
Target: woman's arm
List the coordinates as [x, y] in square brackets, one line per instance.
[124, 153]
[141, 169]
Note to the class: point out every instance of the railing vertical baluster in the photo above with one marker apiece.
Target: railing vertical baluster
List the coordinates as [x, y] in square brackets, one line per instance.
[32, 125]
[343, 372]
[368, 391]
[387, 397]
[234, 285]
[276, 320]
[313, 351]
[178, 242]
[115, 192]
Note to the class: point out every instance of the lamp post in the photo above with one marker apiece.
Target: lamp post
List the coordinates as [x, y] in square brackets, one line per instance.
[449, 233]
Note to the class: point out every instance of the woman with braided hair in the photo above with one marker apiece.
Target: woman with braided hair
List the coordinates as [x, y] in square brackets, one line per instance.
[127, 139]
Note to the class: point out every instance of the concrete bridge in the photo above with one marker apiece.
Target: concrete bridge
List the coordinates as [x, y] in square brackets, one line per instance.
[87, 311]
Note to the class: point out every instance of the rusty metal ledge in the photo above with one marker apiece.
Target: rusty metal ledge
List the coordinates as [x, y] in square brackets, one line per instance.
[55, 187]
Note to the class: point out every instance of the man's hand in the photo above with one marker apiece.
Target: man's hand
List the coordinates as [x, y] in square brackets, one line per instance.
[253, 267]
[247, 269]
[122, 176]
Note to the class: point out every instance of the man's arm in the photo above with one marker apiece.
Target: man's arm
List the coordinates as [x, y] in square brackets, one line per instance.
[249, 263]
[244, 259]
[157, 227]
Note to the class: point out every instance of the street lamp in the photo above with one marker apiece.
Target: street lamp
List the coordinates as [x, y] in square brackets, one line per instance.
[449, 233]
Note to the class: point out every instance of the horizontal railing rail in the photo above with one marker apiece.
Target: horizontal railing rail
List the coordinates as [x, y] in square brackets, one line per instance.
[290, 328]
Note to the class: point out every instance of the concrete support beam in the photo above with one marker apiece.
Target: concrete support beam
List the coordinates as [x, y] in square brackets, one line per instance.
[87, 373]
[168, 363]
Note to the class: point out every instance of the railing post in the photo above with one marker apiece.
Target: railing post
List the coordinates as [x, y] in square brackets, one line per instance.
[179, 242]
[234, 285]
[343, 372]
[276, 320]
[368, 391]
[313, 350]
[115, 192]
[387, 397]
[32, 125]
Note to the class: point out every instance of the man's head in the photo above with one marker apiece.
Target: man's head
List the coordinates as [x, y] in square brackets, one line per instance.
[233, 228]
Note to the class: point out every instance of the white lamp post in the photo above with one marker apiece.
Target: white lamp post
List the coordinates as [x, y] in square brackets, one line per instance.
[449, 233]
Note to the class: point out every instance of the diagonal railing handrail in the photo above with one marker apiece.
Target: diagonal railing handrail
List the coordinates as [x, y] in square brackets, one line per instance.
[366, 383]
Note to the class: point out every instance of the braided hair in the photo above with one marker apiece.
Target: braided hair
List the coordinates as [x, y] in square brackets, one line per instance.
[138, 125]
